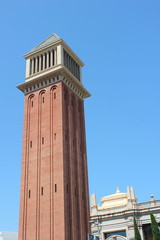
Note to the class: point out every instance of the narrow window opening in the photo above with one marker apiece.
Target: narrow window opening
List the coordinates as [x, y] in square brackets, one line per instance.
[41, 190]
[32, 103]
[73, 142]
[66, 137]
[42, 140]
[74, 68]
[78, 73]
[64, 58]
[53, 57]
[82, 195]
[41, 62]
[67, 188]
[38, 64]
[43, 99]
[49, 63]
[72, 102]
[34, 65]
[55, 136]
[55, 187]
[54, 95]
[45, 60]
[30, 144]
[29, 193]
[81, 147]
[30, 68]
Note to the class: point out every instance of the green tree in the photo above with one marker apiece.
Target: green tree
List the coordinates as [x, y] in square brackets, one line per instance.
[155, 228]
[137, 235]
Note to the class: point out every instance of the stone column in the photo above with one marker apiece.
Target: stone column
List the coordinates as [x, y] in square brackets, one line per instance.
[32, 71]
[80, 73]
[28, 67]
[40, 62]
[51, 57]
[43, 61]
[36, 65]
[48, 59]
[55, 56]
[59, 55]
[141, 232]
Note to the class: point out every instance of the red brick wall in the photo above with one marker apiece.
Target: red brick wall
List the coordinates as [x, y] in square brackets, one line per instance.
[54, 184]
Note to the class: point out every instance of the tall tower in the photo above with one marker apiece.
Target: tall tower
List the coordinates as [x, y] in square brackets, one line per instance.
[54, 185]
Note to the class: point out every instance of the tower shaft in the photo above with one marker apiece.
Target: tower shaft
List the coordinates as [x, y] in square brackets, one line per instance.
[54, 183]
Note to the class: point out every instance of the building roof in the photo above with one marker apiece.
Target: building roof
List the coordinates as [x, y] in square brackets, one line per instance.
[51, 39]
[115, 200]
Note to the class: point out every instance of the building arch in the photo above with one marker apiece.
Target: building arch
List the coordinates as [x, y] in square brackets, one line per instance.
[54, 87]
[31, 96]
[42, 92]
[116, 237]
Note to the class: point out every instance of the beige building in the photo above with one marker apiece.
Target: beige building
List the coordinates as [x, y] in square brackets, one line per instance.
[113, 220]
[8, 235]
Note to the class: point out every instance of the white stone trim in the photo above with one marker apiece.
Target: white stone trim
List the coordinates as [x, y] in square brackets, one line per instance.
[34, 70]
[41, 83]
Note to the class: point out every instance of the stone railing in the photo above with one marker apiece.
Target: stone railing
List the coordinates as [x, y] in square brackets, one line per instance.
[149, 204]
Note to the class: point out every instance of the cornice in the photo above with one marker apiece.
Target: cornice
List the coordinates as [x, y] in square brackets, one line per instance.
[32, 53]
[43, 73]
[55, 44]
[121, 212]
[60, 74]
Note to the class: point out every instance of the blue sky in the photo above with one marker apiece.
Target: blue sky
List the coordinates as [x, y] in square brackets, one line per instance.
[118, 40]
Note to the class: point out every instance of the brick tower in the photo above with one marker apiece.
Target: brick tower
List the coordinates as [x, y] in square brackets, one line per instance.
[54, 185]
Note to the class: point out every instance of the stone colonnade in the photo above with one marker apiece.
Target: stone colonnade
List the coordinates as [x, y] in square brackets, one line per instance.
[43, 61]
